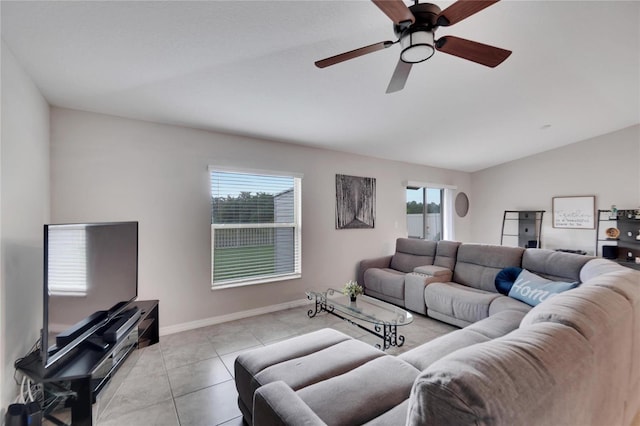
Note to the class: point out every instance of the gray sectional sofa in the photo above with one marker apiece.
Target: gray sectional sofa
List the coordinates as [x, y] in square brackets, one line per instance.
[573, 359]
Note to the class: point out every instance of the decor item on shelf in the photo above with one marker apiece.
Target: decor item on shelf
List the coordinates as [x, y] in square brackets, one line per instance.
[614, 212]
[638, 213]
[638, 236]
[352, 289]
[612, 233]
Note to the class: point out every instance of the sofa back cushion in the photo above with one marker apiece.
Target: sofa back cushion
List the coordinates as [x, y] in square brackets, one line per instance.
[478, 264]
[411, 253]
[446, 254]
[539, 375]
[605, 318]
[554, 265]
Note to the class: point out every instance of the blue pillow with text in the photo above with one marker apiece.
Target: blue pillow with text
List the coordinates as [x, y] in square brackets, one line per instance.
[505, 279]
[533, 289]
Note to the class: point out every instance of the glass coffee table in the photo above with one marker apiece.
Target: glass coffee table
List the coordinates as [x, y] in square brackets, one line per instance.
[375, 316]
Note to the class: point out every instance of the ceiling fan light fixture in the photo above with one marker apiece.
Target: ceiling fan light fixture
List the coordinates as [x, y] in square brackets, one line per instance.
[417, 45]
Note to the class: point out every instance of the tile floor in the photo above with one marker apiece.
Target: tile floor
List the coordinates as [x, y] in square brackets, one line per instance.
[187, 379]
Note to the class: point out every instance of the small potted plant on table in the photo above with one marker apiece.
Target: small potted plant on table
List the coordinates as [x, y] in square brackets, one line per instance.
[352, 289]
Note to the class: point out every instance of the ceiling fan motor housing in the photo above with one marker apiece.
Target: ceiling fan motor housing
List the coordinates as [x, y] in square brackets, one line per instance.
[417, 38]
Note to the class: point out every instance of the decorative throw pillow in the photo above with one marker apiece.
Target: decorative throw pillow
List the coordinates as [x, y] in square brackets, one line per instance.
[533, 289]
[505, 279]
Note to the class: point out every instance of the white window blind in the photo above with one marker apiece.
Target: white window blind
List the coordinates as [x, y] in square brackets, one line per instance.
[255, 227]
[67, 262]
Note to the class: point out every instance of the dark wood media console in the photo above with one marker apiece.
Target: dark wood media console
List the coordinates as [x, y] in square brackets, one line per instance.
[90, 367]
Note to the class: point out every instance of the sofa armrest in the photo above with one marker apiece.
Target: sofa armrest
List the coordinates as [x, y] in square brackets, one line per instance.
[277, 404]
[443, 274]
[378, 262]
[416, 281]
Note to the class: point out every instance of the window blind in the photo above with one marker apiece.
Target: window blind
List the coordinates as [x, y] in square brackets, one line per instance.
[255, 227]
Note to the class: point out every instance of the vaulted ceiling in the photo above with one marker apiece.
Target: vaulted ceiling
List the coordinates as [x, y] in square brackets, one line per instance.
[247, 67]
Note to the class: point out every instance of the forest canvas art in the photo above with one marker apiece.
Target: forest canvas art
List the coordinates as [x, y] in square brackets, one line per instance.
[355, 202]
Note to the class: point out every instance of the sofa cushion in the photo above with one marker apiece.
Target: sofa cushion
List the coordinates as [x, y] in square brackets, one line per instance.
[385, 281]
[506, 303]
[554, 265]
[527, 377]
[478, 264]
[396, 416]
[532, 289]
[589, 310]
[363, 393]
[446, 254]
[604, 318]
[434, 271]
[489, 328]
[321, 365]
[411, 253]
[458, 301]
[505, 279]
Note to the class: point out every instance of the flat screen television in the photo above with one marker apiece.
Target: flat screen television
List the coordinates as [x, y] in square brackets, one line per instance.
[90, 276]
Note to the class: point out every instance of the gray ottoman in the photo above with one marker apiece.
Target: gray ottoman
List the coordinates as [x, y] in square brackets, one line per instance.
[317, 366]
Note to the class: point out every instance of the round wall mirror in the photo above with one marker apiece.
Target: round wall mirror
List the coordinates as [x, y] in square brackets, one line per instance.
[462, 204]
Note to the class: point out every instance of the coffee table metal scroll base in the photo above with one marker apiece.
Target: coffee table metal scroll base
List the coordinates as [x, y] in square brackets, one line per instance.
[386, 331]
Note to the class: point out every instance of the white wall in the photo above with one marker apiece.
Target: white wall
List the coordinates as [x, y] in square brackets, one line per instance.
[106, 168]
[24, 208]
[606, 166]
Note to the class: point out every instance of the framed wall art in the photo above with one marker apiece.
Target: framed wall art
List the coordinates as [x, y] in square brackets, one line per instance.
[574, 212]
[355, 202]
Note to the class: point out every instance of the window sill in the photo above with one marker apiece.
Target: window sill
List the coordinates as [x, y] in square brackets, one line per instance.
[256, 281]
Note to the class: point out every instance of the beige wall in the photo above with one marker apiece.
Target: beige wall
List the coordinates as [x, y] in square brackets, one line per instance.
[107, 169]
[24, 208]
[606, 166]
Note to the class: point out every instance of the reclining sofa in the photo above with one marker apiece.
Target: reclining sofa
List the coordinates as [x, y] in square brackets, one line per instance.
[573, 359]
[454, 282]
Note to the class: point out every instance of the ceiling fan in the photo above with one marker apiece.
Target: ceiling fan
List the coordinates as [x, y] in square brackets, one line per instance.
[415, 27]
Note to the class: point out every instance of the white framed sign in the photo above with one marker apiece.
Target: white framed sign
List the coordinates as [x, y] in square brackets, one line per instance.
[574, 212]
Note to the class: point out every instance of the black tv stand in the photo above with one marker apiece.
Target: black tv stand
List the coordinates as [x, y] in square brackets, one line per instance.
[93, 363]
[97, 343]
[121, 325]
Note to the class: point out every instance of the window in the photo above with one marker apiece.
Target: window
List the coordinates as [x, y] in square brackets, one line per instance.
[255, 227]
[429, 214]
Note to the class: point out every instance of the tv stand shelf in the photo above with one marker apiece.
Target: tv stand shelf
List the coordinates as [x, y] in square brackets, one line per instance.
[90, 367]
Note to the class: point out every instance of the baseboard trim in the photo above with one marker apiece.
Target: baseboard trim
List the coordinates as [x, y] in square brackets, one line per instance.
[186, 326]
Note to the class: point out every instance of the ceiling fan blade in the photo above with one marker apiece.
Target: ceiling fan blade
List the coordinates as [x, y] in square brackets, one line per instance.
[396, 10]
[472, 50]
[399, 77]
[462, 9]
[353, 54]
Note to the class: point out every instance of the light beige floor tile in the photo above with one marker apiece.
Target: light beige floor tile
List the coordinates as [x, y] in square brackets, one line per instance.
[150, 362]
[227, 343]
[233, 422]
[184, 338]
[178, 356]
[161, 414]
[210, 406]
[198, 375]
[136, 393]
